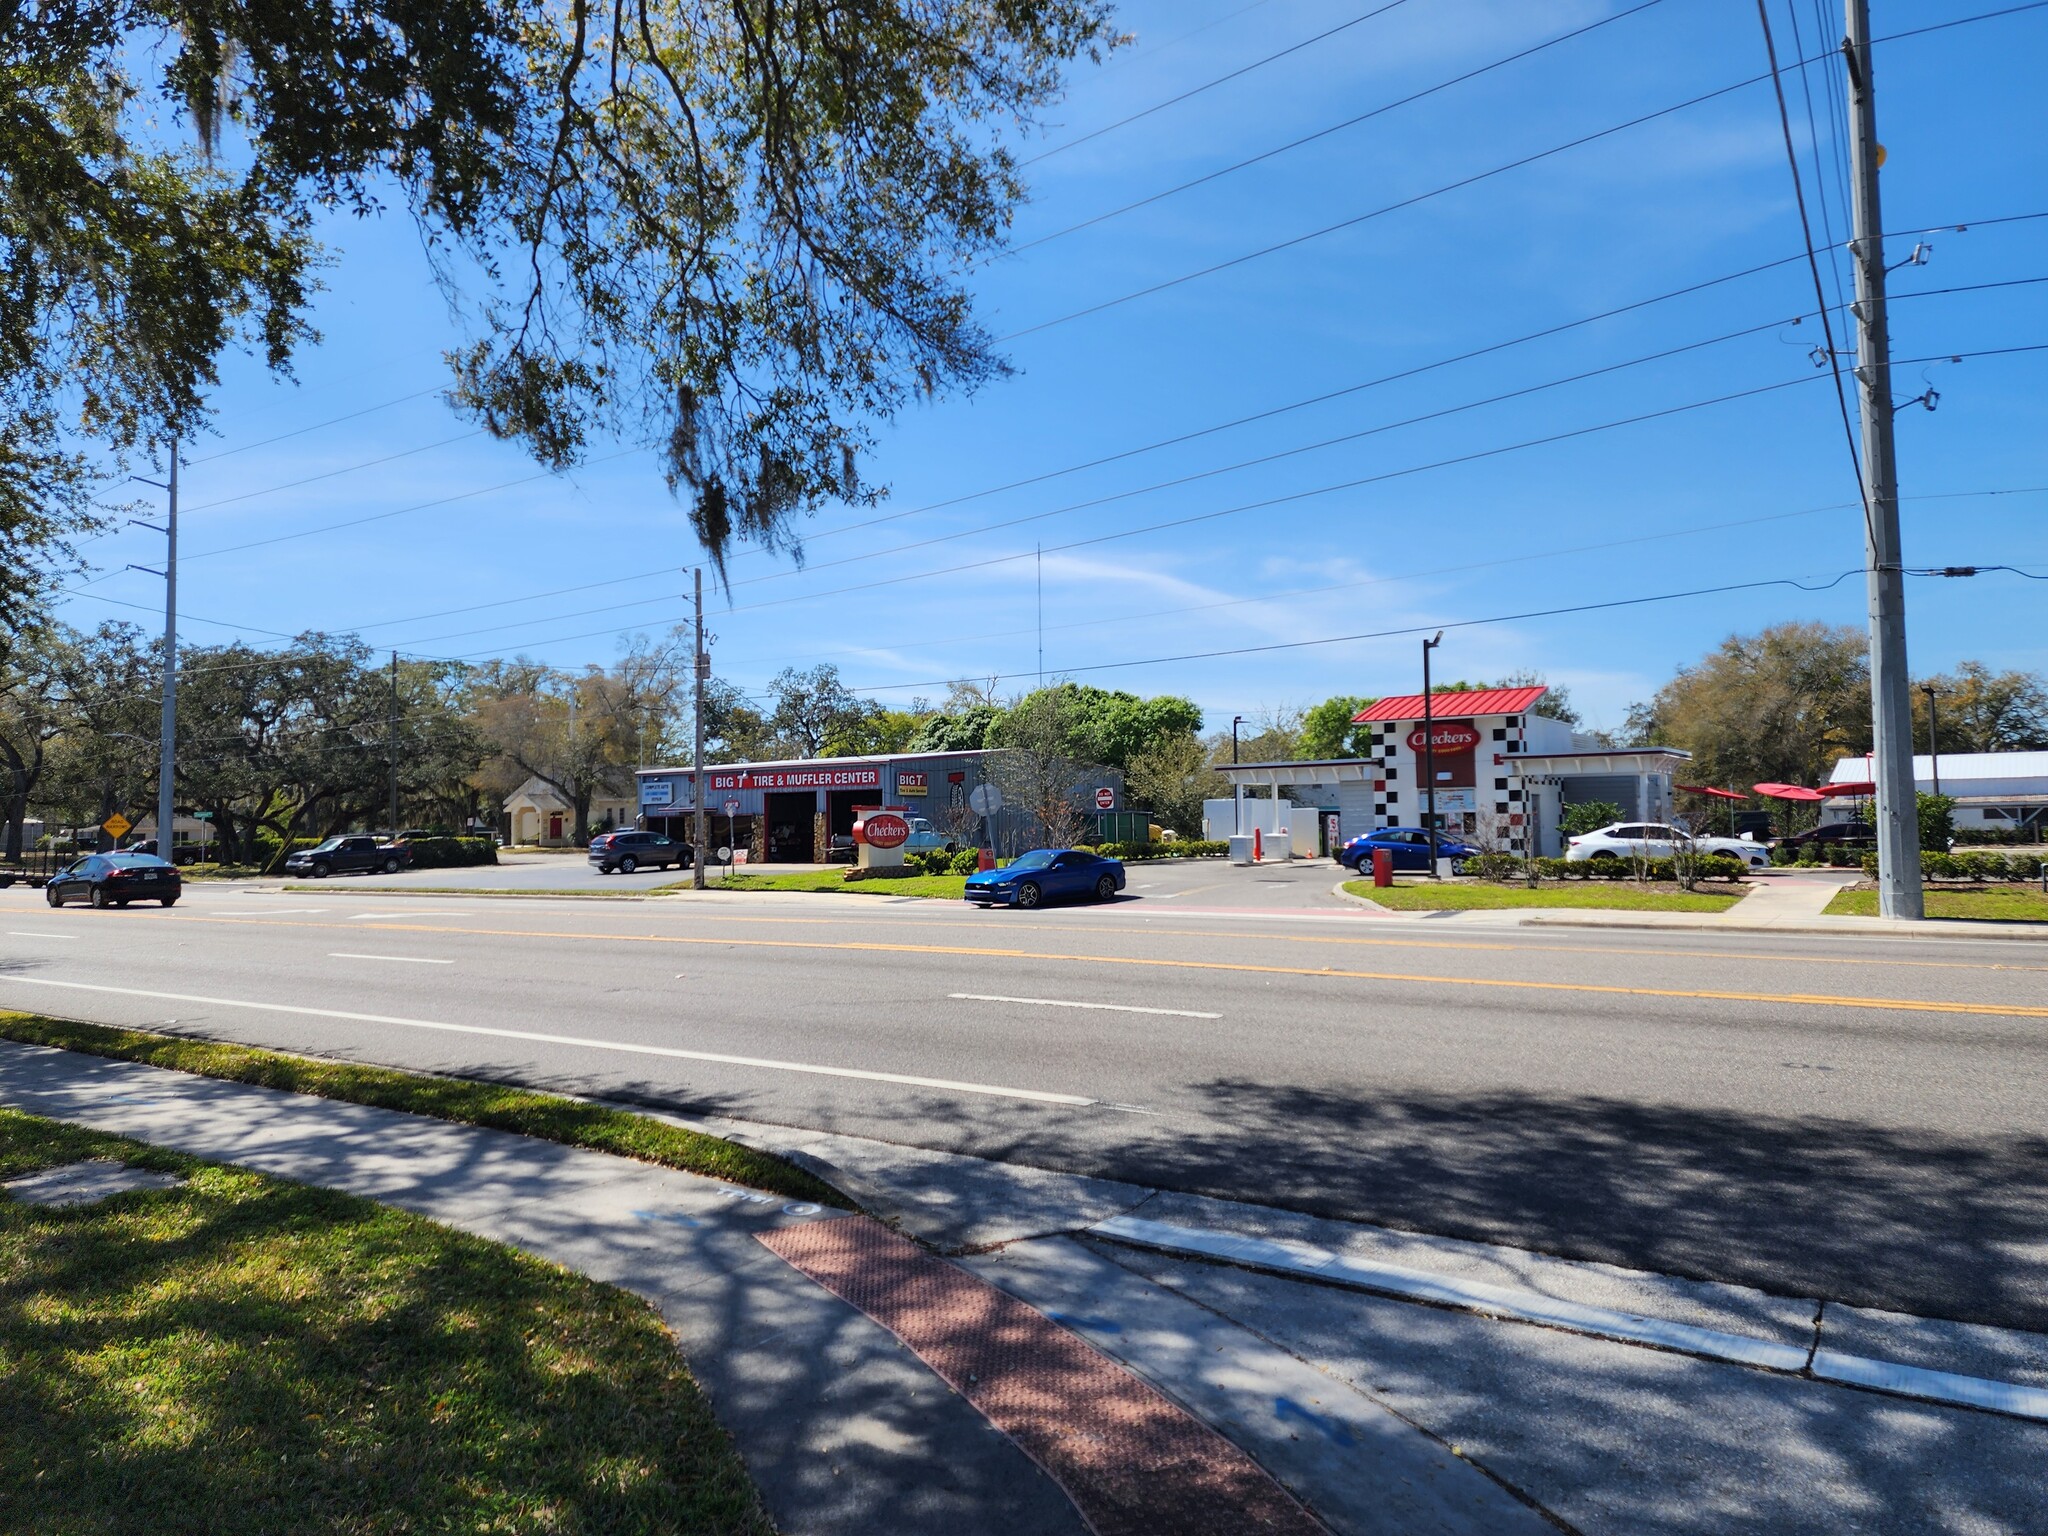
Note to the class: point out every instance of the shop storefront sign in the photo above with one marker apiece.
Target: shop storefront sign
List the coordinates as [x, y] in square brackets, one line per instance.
[657, 792]
[1446, 736]
[794, 778]
[910, 781]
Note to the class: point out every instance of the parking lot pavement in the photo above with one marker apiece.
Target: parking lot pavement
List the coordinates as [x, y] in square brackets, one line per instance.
[520, 872]
[1217, 884]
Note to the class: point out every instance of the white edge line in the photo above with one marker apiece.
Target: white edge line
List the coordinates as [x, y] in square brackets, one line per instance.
[338, 954]
[1936, 1386]
[1031, 1095]
[1600, 1322]
[1060, 1002]
[47, 933]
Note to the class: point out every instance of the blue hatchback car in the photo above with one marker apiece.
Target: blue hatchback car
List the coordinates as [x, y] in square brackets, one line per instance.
[1047, 874]
[1408, 845]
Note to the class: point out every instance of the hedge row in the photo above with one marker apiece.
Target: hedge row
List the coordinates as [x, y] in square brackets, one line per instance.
[1184, 848]
[452, 852]
[2000, 837]
[1816, 856]
[1985, 868]
[1511, 867]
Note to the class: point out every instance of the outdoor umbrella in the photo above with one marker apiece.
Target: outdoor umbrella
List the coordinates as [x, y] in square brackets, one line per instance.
[1793, 792]
[1719, 794]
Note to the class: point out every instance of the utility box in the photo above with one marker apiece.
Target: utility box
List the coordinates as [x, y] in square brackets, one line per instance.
[1123, 826]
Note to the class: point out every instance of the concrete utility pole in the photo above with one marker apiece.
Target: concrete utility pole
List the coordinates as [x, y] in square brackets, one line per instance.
[700, 671]
[1429, 753]
[391, 743]
[167, 771]
[1933, 735]
[1891, 697]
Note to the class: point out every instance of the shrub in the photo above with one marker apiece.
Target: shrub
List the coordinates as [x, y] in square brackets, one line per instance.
[1590, 817]
[1937, 821]
[1996, 837]
[1181, 848]
[1784, 853]
[452, 852]
[965, 862]
[1711, 866]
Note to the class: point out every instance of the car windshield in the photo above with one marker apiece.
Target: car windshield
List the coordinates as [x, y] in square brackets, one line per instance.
[136, 861]
[1037, 858]
[329, 846]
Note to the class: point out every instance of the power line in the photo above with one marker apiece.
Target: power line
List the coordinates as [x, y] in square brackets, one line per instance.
[1323, 133]
[332, 421]
[1472, 180]
[1812, 261]
[346, 469]
[1210, 85]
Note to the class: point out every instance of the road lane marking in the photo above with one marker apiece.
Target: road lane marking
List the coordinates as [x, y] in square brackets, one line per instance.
[45, 933]
[1031, 1095]
[1502, 983]
[1061, 1002]
[357, 917]
[337, 954]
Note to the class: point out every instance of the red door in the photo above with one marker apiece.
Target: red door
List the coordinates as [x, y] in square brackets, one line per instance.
[555, 827]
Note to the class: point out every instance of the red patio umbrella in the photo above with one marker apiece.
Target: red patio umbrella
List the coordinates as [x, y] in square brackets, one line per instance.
[1718, 794]
[1795, 792]
[1862, 789]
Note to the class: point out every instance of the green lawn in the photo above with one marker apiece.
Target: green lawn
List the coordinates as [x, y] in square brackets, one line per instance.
[940, 887]
[2008, 904]
[242, 1356]
[1606, 895]
[543, 1115]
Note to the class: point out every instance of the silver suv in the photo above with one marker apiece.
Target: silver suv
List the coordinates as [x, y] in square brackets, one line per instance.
[628, 851]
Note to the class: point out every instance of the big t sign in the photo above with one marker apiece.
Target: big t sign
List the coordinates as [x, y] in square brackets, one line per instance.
[1446, 736]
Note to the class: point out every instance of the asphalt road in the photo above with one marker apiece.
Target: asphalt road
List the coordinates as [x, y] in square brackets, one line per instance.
[1852, 1118]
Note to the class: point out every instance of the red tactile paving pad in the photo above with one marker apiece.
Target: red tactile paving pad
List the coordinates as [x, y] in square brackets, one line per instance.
[1132, 1461]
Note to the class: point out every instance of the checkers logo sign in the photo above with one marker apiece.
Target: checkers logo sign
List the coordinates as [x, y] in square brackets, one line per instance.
[1446, 736]
[885, 829]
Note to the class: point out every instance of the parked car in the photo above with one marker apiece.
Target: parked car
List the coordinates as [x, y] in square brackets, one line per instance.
[1833, 834]
[923, 835]
[1409, 847]
[627, 851]
[1658, 840]
[353, 855]
[181, 853]
[1047, 874]
[114, 880]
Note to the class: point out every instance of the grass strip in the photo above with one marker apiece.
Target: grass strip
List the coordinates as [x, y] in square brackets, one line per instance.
[1449, 896]
[547, 1116]
[1990, 906]
[239, 1356]
[934, 887]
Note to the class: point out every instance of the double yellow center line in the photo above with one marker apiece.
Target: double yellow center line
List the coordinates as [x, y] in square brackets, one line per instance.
[1800, 999]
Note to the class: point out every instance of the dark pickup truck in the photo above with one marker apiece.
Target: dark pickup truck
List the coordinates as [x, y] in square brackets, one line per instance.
[349, 856]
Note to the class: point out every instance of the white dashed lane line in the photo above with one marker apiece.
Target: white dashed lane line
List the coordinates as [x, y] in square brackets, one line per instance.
[1061, 1002]
[337, 954]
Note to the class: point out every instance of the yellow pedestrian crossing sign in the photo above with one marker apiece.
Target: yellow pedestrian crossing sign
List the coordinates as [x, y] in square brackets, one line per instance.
[116, 826]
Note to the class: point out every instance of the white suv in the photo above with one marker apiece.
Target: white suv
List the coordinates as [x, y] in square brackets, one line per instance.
[1657, 840]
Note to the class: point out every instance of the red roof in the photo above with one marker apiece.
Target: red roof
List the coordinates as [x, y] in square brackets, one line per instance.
[1450, 706]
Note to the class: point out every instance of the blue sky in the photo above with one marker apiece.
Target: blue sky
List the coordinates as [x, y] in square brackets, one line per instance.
[1739, 491]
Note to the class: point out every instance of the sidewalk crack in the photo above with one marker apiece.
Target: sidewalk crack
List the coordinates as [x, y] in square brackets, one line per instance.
[1819, 1311]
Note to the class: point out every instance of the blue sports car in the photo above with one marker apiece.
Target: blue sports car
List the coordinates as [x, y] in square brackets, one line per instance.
[1047, 874]
[1408, 845]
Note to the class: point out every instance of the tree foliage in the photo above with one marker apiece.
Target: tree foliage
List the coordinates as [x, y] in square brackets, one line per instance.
[733, 230]
[1978, 710]
[1327, 731]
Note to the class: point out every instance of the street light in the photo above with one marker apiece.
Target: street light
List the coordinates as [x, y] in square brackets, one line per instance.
[1933, 742]
[1429, 753]
[1237, 810]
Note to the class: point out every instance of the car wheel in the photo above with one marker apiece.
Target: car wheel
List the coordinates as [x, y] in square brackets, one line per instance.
[100, 898]
[391, 866]
[604, 869]
[628, 864]
[52, 897]
[170, 902]
[1604, 856]
[1457, 866]
[1028, 894]
[689, 858]
[1105, 888]
[321, 871]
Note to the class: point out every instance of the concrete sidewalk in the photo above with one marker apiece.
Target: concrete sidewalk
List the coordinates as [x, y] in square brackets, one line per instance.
[844, 1428]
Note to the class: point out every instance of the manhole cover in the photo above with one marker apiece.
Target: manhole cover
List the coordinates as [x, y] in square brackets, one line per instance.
[83, 1183]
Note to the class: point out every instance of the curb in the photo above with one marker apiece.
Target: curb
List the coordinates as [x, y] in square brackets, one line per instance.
[1900, 930]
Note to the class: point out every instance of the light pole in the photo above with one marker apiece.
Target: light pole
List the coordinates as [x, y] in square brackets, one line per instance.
[1933, 735]
[1429, 752]
[1237, 810]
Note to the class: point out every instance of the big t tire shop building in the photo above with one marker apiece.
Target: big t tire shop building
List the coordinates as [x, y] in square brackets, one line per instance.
[801, 811]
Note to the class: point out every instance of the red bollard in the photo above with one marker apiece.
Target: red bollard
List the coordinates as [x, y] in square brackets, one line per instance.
[1258, 846]
[1383, 866]
[985, 860]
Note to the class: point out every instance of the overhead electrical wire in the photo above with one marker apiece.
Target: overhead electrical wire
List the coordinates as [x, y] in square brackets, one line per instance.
[332, 421]
[1210, 85]
[1323, 133]
[330, 474]
[1467, 181]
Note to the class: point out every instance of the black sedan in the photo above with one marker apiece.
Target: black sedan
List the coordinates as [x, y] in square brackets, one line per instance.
[114, 880]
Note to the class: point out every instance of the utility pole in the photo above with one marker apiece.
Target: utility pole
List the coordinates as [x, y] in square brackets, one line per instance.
[391, 743]
[167, 771]
[1041, 615]
[1899, 891]
[1429, 753]
[700, 671]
